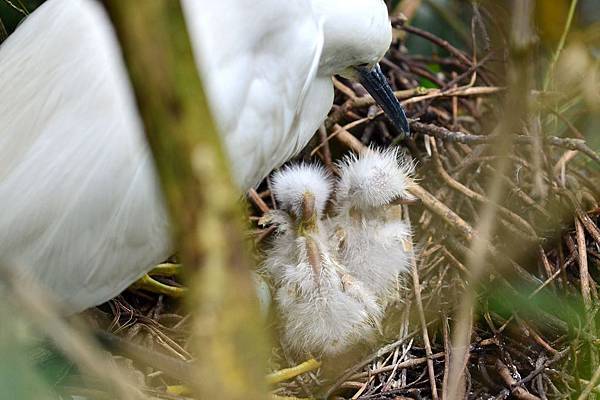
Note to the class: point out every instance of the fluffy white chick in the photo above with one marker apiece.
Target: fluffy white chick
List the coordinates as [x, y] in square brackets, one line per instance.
[371, 239]
[323, 309]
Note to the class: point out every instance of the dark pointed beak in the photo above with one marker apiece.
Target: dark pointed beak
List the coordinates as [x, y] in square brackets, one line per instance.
[377, 85]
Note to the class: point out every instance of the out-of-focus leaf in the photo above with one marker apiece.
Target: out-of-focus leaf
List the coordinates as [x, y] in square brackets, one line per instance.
[18, 377]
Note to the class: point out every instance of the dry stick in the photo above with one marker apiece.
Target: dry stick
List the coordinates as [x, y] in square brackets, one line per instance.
[529, 331]
[445, 329]
[540, 188]
[258, 201]
[413, 362]
[454, 184]
[584, 279]
[568, 123]
[520, 193]
[583, 265]
[344, 89]
[339, 129]
[419, 302]
[557, 357]
[515, 389]
[465, 138]
[421, 94]
[454, 93]
[367, 101]
[545, 262]
[362, 389]
[326, 150]
[434, 39]
[349, 374]
[588, 224]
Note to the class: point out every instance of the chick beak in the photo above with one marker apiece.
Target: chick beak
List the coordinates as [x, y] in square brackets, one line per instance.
[308, 224]
[377, 85]
[309, 215]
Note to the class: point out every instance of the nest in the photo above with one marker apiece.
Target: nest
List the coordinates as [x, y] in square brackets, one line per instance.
[507, 232]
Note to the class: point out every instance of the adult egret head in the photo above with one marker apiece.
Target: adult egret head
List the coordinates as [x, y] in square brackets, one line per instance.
[357, 35]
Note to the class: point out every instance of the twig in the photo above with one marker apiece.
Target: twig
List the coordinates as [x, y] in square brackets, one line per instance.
[461, 137]
[434, 39]
[517, 390]
[583, 265]
[258, 201]
[419, 303]
[514, 218]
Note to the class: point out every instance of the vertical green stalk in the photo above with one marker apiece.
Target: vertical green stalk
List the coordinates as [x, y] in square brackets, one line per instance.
[561, 44]
[229, 339]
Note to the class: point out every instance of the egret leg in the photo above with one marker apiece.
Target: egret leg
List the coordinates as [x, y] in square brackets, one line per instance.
[148, 283]
[292, 372]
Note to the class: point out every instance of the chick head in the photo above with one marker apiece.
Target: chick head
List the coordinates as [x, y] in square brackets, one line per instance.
[373, 179]
[302, 191]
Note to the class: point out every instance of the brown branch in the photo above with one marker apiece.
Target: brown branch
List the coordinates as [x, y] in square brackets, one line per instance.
[421, 312]
[444, 44]
[461, 137]
[515, 389]
[454, 184]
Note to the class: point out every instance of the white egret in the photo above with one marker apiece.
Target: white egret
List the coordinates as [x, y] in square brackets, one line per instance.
[373, 242]
[323, 308]
[82, 211]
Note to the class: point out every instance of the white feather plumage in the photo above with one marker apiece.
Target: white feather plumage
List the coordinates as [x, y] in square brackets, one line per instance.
[373, 179]
[323, 308]
[292, 182]
[82, 209]
[372, 242]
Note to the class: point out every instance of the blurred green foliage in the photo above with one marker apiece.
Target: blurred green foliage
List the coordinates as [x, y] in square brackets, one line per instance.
[447, 19]
[19, 378]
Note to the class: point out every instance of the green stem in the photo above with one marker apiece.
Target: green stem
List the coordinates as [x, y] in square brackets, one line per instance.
[228, 334]
[561, 44]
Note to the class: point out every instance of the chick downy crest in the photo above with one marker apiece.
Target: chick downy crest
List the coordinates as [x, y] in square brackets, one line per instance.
[373, 179]
[323, 308]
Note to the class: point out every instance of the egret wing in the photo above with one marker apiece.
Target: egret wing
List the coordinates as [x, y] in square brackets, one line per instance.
[258, 59]
[81, 212]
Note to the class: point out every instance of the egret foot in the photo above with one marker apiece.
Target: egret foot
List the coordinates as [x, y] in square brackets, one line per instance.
[148, 283]
[289, 373]
[167, 270]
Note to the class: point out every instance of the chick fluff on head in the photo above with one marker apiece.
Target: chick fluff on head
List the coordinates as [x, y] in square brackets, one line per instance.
[374, 243]
[323, 308]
